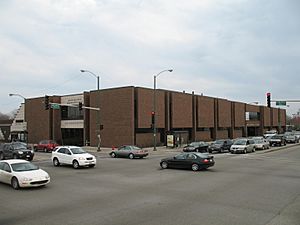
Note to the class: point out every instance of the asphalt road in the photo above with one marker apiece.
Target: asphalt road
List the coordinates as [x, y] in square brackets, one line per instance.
[251, 189]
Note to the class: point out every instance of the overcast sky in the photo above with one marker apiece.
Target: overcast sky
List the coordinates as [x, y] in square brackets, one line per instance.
[233, 49]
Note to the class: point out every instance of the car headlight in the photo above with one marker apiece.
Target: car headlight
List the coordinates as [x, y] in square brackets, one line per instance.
[20, 152]
[81, 158]
[47, 177]
[26, 179]
[31, 151]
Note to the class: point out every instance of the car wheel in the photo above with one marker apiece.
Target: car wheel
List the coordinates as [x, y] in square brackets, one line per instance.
[253, 150]
[75, 164]
[56, 162]
[30, 159]
[245, 151]
[114, 155]
[15, 183]
[195, 167]
[164, 165]
[1, 156]
[45, 150]
[131, 156]
[92, 165]
[263, 148]
[15, 156]
[35, 149]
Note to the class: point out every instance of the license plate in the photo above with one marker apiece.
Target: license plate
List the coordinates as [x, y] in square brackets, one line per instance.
[27, 156]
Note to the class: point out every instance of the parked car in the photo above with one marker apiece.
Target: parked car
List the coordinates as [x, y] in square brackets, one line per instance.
[45, 145]
[270, 133]
[191, 160]
[278, 140]
[200, 146]
[261, 144]
[243, 146]
[15, 150]
[220, 145]
[72, 155]
[129, 151]
[20, 173]
[291, 138]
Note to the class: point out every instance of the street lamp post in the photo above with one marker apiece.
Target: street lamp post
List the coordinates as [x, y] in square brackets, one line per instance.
[21, 96]
[154, 107]
[98, 106]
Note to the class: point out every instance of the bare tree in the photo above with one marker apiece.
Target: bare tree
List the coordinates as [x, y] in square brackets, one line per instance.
[4, 116]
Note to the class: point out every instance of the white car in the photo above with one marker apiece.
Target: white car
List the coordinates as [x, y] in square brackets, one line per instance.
[243, 146]
[21, 173]
[72, 155]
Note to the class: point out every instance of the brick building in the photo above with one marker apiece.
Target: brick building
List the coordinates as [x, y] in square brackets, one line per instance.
[125, 118]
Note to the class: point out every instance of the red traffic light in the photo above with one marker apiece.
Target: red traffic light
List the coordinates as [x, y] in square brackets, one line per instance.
[268, 94]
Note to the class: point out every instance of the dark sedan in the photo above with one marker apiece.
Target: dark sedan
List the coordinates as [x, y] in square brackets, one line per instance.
[192, 160]
[129, 151]
[200, 146]
[220, 146]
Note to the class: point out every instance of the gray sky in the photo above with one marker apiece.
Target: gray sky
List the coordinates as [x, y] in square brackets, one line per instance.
[233, 49]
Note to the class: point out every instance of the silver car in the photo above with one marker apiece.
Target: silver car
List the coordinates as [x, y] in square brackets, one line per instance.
[261, 144]
[243, 146]
[129, 151]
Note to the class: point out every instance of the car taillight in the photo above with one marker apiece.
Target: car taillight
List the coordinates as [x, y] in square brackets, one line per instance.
[205, 160]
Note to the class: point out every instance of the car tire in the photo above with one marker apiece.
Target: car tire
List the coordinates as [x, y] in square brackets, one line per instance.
[164, 165]
[91, 166]
[45, 150]
[245, 151]
[30, 159]
[253, 150]
[56, 162]
[15, 156]
[15, 183]
[263, 148]
[35, 149]
[195, 167]
[75, 164]
[113, 155]
[1, 156]
[131, 156]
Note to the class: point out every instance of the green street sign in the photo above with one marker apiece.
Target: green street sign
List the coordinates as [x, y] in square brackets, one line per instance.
[280, 102]
[55, 106]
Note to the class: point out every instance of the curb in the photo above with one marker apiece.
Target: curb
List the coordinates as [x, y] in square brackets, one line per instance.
[279, 148]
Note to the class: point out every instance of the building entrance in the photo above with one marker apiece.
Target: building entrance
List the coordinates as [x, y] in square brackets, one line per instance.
[72, 136]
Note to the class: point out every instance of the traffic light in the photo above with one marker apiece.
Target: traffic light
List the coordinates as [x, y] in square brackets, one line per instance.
[46, 101]
[269, 99]
[152, 119]
[80, 106]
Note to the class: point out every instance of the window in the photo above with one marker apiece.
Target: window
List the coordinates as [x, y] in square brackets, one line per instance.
[181, 156]
[191, 156]
[62, 150]
[71, 113]
[6, 167]
[1, 165]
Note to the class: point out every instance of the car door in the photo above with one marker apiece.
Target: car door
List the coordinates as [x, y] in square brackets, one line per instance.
[5, 173]
[61, 154]
[187, 163]
[68, 156]
[8, 151]
[179, 161]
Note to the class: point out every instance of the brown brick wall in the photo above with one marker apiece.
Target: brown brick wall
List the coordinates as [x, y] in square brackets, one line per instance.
[182, 116]
[239, 112]
[206, 109]
[267, 116]
[145, 139]
[145, 107]
[38, 120]
[222, 134]
[252, 108]
[117, 117]
[282, 113]
[237, 133]
[275, 117]
[224, 113]
[203, 136]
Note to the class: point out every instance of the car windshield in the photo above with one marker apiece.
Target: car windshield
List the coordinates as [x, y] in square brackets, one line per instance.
[21, 167]
[201, 155]
[258, 141]
[77, 151]
[240, 142]
[19, 146]
[219, 142]
[136, 148]
[275, 137]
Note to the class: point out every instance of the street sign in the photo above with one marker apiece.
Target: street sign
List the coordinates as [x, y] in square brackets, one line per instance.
[55, 106]
[280, 102]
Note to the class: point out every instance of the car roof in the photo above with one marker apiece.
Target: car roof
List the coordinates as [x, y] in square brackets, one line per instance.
[12, 161]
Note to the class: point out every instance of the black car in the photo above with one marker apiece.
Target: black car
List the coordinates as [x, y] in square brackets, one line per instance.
[200, 146]
[278, 140]
[220, 145]
[191, 160]
[16, 150]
